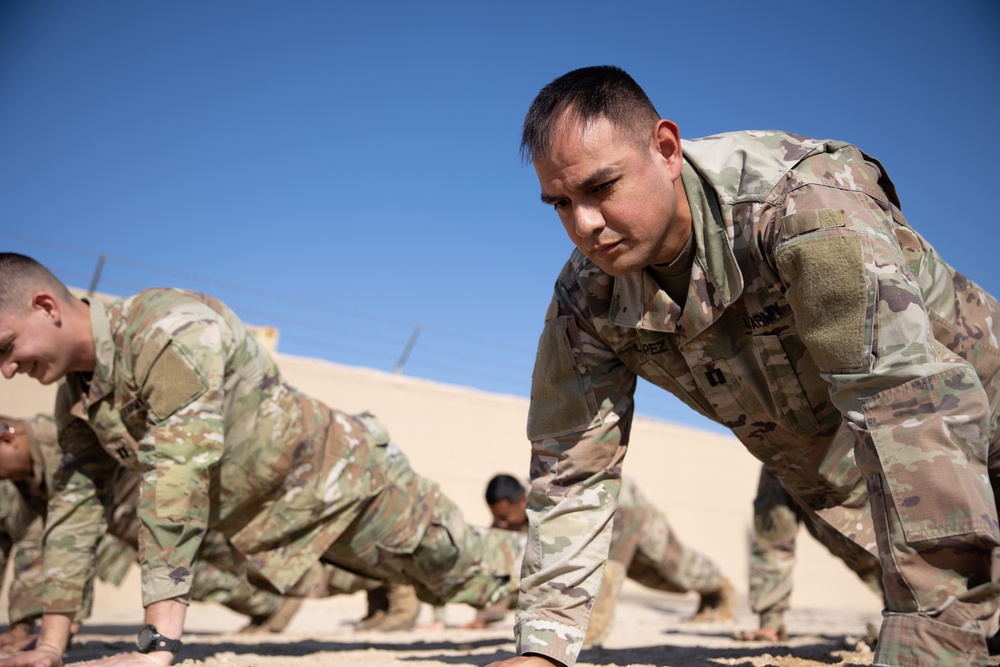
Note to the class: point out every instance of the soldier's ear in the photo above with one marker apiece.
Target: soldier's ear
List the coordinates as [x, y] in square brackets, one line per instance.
[667, 140]
[47, 303]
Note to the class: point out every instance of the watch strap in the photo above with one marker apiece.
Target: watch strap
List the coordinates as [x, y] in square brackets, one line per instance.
[156, 641]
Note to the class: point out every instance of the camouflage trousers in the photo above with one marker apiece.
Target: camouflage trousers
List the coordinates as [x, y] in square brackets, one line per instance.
[324, 579]
[777, 516]
[644, 543]
[412, 533]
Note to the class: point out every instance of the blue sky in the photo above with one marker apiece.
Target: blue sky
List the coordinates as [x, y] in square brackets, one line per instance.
[350, 171]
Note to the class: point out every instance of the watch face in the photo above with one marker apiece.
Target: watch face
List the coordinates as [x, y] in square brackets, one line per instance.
[150, 640]
[145, 638]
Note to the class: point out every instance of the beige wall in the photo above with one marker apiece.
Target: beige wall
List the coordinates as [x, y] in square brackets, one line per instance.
[459, 437]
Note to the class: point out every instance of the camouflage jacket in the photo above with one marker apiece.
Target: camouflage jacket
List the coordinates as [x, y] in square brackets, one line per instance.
[184, 395]
[22, 512]
[815, 317]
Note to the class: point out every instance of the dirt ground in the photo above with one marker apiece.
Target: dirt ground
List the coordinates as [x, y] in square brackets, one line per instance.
[649, 630]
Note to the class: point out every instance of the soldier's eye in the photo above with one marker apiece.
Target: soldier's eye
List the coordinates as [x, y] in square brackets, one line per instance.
[604, 188]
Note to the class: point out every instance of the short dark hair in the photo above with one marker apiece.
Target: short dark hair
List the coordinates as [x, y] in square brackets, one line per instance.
[588, 93]
[503, 487]
[21, 275]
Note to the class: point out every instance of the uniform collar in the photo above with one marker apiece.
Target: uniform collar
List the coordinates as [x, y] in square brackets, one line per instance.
[716, 282]
[104, 351]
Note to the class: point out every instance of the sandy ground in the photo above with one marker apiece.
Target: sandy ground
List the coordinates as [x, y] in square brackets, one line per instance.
[649, 630]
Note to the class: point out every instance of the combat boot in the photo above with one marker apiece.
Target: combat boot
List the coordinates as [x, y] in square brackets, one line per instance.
[719, 605]
[378, 605]
[603, 613]
[404, 607]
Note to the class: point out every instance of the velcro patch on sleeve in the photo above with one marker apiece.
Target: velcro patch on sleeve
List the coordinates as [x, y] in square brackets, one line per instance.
[829, 296]
[559, 403]
[808, 221]
[171, 384]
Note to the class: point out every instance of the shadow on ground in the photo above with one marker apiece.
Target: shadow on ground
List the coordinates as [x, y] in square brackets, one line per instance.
[106, 644]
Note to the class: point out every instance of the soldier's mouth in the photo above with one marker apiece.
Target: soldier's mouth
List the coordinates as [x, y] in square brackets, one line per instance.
[605, 249]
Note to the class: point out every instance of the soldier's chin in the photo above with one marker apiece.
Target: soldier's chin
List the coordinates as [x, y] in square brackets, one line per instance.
[47, 377]
[617, 268]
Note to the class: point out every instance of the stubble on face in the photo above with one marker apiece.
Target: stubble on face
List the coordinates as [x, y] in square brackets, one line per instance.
[619, 199]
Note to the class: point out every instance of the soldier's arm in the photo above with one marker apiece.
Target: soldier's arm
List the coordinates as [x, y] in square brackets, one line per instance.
[74, 521]
[28, 582]
[919, 412]
[772, 552]
[579, 418]
[24, 526]
[21, 535]
[860, 312]
[7, 528]
[183, 439]
[49, 648]
[21, 622]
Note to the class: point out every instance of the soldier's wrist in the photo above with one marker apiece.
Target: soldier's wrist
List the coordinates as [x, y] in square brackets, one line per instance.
[49, 647]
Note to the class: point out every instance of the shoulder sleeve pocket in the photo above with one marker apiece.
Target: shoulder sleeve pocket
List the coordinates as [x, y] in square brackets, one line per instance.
[171, 384]
[560, 401]
[829, 295]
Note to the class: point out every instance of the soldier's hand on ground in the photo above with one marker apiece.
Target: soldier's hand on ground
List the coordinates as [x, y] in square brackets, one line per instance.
[770, 635]
[521, 661]
[488, 616]
[17, 639]
[34, 658]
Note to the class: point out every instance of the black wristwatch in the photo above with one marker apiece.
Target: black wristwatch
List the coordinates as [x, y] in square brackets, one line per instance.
[150, 640]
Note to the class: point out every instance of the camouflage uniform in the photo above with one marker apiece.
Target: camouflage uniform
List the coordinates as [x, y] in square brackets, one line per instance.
[185, 396]
[820, 328]
[644, 543]
[777, 516]
[19, 532]
[650, 554]
[22, 516]
[412, 533]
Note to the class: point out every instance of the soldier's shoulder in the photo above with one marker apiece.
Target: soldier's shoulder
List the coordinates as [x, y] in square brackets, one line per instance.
[788, 145]
[158, 300]
[746, 165]
[163, 311]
